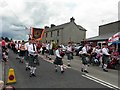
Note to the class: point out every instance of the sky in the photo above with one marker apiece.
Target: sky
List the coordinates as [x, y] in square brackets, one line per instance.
[15, 15]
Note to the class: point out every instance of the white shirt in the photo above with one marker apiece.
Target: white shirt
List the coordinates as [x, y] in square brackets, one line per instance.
[98, 51]
[69, 48]
[57, 53]
[16, 46]
[48, 46]
[51, 45]
[105, 51]
[30, 49]
[84, 50]
[26, 45]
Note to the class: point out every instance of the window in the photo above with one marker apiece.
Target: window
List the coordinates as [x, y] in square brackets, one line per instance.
[58, 33]
[51, 34]
[46, 34]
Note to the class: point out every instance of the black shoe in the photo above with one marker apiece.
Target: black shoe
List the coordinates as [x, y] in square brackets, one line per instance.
[56, 70]
[69, 65]
[62, 72]
[33, 75]
[85, 71]
[26, 69]
[82, 70]
[30, 75]
[105, 70]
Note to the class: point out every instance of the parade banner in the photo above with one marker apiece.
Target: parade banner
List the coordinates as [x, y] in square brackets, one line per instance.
[37, 33]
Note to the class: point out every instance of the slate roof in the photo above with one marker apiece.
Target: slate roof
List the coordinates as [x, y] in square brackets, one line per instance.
[102, 37]
[62, 26]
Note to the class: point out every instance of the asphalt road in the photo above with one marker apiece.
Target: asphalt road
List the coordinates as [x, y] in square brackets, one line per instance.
[47, 77]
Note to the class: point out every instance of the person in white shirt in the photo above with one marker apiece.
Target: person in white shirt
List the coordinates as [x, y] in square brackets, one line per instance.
[58, 60]
[105, 57]
[33, 59]
[17, 46]
[27, 54]
[84, 56]
[69, 54]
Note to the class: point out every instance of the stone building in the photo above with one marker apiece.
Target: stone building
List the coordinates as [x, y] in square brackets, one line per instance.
[64, 33]
[105, 31]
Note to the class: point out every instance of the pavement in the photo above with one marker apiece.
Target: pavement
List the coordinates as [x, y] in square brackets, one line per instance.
[1, 65]
[95, 72]
[46, 77]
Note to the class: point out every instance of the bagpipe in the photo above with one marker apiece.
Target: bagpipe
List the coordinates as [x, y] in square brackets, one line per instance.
[62, 54]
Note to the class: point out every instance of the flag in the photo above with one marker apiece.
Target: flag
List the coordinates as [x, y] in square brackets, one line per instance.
[37, 33]
[114, 38]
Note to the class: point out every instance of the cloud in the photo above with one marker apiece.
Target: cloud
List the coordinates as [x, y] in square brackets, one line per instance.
[88, 13]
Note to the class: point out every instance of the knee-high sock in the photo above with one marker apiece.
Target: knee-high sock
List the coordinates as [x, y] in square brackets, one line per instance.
[61, 67]
[68, 62]
[27, 64]
[55, 66]
[34, 69]
[86, 66]
[105, 66]
[31, 69]
[83, 66]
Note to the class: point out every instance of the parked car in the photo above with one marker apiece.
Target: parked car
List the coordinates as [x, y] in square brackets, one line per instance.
[78, 49]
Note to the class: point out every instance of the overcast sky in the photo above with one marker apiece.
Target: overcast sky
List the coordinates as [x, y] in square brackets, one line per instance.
[14, 14]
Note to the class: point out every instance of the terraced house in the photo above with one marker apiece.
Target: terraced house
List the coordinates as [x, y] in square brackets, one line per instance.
[64, 33]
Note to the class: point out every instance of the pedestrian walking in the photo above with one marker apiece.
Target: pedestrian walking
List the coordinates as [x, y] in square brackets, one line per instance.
[58, 60]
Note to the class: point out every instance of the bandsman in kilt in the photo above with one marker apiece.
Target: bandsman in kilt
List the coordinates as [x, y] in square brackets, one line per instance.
[33, 58]
[27, 54]
[22, 51]
[105, 57]
[58, 60]
[85, 61]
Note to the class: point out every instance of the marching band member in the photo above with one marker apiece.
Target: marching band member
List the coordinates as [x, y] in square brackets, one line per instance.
[84, 56]
[17, 46]
[33, 57]
[27, 54]
[58, 60]
[69, 53]
[22, 51]
[105, 57]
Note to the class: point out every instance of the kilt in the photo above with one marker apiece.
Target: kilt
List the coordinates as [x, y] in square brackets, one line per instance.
[22, 53]
[69, 56]
[105, 59]
[33, 60]
[84, 59]
[58, 61]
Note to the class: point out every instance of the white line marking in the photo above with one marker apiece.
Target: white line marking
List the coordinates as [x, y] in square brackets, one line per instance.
[97, 81]
[102, 81]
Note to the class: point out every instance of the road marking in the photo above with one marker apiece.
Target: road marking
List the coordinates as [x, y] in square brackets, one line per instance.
[96, 81]
[100, 81]
[103, 81]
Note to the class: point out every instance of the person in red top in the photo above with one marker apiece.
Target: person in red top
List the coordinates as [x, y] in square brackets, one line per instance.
[3, 44]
